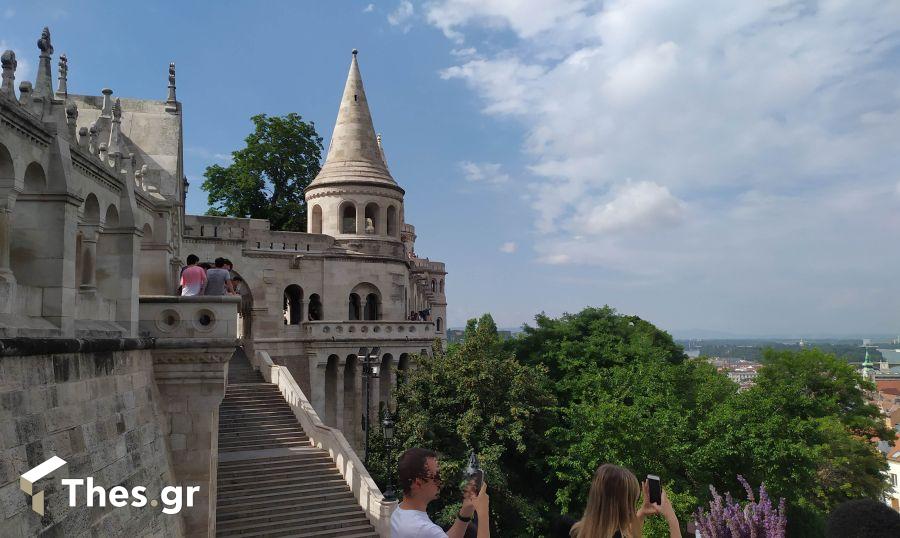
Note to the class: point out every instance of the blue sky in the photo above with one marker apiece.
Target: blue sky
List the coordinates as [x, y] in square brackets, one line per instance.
[730, 169]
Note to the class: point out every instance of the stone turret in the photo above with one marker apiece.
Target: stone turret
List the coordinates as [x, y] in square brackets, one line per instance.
[354, 193]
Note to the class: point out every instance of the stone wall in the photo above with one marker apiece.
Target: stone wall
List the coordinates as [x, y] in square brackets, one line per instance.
[99, 412]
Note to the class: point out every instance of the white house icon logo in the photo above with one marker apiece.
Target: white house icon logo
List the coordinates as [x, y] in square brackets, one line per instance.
[27, 481]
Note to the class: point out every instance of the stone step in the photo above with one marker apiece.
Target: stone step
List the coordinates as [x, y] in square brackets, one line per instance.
[261, 413]
[239, 433]
[323, 464]
[238, 518]
[263, 434]
[263, 446]
[297, 496]
[332, 503]
[284, 504]
[229, 484]
[305, 456]
[308, 520]
[267, 486]
[356, 527]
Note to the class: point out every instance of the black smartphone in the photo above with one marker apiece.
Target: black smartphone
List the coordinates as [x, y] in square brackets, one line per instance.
[478, 478]
[655, 489]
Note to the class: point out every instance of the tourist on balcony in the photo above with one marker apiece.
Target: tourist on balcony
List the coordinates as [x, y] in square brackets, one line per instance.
[231, 277]
[419, 475]
[413, 315]
[218, 279]
[610, 507]
[193, 277]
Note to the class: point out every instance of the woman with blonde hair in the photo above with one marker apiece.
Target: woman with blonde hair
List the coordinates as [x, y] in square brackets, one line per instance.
[610, 511]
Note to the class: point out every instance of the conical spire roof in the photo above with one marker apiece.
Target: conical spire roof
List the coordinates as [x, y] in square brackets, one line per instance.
[354, 155]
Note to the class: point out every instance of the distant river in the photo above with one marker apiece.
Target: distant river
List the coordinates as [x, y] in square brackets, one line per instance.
[891, 355]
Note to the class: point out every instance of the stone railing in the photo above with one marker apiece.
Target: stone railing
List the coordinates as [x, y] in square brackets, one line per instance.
[201, 316]
[361, 484]
[424, 264]
[369, 330]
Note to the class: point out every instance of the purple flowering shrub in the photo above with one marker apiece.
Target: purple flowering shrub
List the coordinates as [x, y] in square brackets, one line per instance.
[728, 519]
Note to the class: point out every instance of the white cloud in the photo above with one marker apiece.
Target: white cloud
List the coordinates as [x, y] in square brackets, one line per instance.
[775, 123]
[509, 247]
[483, 172]
[369, 8]
[402, 15]
[633, 206]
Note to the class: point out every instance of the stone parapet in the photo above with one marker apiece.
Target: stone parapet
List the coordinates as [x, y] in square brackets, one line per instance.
[331, 331]
[176, 317]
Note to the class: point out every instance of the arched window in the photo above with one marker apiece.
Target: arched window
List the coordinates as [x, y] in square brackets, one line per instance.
[354, 310]
[316, 219]
[372, 224]
[352, 410]
[348, 218]
[402, 367]
[392, 221]
[112, 217]
[331, 387]
[442, 285]
[373, 307]
[439, 324]
[293, 300]
[32, 231]
[315, 308]
[386, 379]
[433, 286]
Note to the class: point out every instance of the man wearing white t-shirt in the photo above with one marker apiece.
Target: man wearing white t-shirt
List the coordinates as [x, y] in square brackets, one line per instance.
[420, 479]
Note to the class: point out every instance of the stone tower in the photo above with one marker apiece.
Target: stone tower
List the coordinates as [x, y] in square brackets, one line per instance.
[354, 196]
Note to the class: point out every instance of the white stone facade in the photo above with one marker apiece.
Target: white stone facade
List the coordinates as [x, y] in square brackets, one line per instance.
[92, 217]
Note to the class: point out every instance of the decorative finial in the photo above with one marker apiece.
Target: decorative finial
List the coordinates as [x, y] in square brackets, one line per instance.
[93, 148]
[44, 43]
[171, 102]
[72, 118]
[25, 92]
[355, 52]
[117, 110]
[83, 137]
[106, 110]
[63, 75]
[8, 60]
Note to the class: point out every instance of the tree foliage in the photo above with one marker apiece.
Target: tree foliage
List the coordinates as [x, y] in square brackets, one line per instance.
[544, 410]
[476, 396]
[267, 178]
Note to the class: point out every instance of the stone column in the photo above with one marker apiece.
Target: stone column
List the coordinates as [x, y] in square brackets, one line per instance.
[304, 308]
[190, 376]
[7, 278]
[89, 238]
[360, 220]
[317, 370]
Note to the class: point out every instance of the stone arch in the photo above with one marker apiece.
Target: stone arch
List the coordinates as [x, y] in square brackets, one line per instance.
[7, 182]
[35, 239]
[354, 308]
[293, 305]
[433, 286]
[370, 301]
[352, 413]
[112, 217]
[245, 312]
[35, 179]
[147, 238]
[371, 212]
[91, 213]
[316, 226]
[315, 308]
[331, 394]
[438, 325]
[392, 221]
[386, 380]
[7, 166]
[442, 285]
[347, 218]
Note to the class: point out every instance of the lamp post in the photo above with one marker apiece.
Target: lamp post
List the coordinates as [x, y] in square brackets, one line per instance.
[387, 426]
[370, 369]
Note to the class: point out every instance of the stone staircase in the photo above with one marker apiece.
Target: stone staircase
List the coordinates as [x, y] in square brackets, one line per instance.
[271, 482]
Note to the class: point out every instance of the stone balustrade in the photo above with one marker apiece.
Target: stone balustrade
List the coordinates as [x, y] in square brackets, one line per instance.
[365, 491]
[369, 330]
[201, 316]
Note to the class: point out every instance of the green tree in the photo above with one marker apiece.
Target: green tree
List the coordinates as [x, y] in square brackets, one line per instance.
[477, 396]
[627, 395]
[807, 431]
[267, 178]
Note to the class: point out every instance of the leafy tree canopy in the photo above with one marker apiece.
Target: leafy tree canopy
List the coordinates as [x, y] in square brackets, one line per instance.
[267, 178]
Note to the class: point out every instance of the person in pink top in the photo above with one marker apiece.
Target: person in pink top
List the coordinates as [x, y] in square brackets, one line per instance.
[193, 278]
